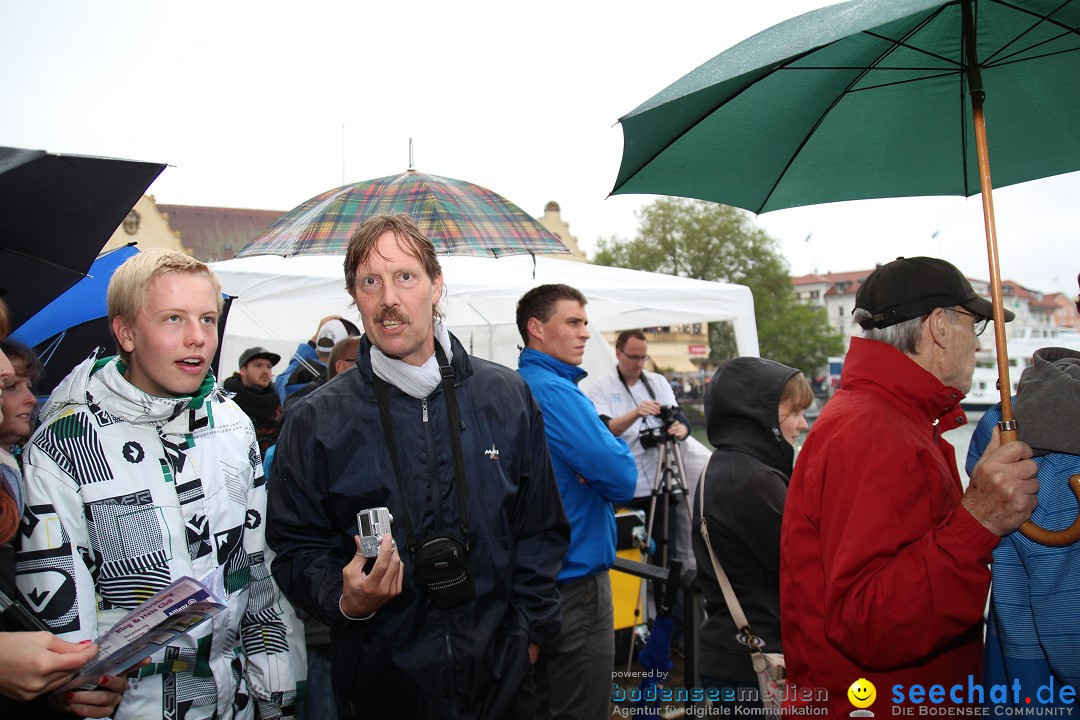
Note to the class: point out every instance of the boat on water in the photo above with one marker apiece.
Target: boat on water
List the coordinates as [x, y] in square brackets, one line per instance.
[1022, 344]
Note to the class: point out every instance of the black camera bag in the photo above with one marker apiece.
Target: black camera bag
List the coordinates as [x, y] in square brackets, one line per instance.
[442, 569]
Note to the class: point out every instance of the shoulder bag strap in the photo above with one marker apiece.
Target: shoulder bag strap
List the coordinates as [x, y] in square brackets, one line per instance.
[737, 614]
[456, 428]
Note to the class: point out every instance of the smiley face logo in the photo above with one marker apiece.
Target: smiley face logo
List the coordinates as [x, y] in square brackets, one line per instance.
[862, 693]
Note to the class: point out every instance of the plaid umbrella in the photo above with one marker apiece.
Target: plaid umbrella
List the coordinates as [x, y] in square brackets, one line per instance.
[459, 217]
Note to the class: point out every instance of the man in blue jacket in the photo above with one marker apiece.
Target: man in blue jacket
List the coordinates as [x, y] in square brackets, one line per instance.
[393, 433]
[308, 364]
[594, 469]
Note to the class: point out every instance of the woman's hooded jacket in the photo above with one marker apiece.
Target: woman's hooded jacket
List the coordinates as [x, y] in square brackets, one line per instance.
[745, 485]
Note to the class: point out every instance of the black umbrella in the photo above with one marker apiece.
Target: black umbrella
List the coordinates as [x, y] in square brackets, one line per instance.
[56, 213]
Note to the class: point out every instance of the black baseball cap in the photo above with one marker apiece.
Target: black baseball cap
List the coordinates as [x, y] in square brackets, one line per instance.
[258, 352]
[908, 288]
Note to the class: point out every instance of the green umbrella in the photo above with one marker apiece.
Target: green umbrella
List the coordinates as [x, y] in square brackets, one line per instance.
[874, 99]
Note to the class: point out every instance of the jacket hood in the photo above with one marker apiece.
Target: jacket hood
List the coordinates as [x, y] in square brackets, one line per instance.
[742, 410]
[1049, 391]
[100, 384]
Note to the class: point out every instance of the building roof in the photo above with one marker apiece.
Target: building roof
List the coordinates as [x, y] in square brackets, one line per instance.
[1015, 289]
[854, 278]
[847, 283]
[216, 233]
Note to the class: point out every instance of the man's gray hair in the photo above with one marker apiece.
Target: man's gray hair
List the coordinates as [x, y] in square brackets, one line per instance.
[904, 336]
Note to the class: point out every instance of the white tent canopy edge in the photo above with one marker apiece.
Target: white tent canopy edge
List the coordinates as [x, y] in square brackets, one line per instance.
[280, 300]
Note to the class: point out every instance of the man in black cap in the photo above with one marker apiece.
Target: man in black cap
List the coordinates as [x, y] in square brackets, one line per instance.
[254, 392]
[884, 555]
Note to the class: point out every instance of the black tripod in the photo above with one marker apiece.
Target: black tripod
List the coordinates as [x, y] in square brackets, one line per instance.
[670, 482]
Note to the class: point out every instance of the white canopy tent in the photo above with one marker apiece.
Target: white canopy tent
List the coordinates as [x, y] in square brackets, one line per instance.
[280, 300]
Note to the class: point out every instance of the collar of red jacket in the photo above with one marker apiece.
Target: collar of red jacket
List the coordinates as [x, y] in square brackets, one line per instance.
[880, 367]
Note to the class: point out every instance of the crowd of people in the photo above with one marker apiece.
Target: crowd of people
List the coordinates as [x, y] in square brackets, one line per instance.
[488, 594]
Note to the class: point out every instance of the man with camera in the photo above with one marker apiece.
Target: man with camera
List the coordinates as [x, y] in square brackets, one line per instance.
[436, 463]
[594, 470]
[639, 406]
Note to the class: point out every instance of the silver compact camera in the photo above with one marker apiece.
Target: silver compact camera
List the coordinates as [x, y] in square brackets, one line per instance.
[373, 524]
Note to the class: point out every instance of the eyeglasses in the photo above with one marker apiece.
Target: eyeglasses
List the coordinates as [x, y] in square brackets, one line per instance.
[980, 321]
[635, 358]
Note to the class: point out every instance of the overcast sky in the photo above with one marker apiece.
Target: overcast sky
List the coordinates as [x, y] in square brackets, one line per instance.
[265, 104]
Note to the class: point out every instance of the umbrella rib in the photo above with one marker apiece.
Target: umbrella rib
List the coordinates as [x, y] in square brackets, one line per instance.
[943, 73]
[902, 42]
[47, 352]
[904, 82]
[1040, 19]
[35, 258]
[1011, 59]
[965, 121]
[860, 67]
[893, 44]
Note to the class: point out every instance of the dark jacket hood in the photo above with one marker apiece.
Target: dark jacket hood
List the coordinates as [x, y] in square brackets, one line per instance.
[742, 410]
[1049, 392]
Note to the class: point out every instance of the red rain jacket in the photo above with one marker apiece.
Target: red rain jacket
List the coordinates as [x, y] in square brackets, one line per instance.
[883, 574]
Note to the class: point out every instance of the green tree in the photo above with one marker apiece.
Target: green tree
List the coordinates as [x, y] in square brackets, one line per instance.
[698, 239]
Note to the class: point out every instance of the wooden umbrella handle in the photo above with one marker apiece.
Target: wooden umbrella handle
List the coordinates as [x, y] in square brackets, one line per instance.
[1056, 538]
[1035, 533]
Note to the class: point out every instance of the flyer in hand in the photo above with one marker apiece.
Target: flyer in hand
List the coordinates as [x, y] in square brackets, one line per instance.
[167, 615]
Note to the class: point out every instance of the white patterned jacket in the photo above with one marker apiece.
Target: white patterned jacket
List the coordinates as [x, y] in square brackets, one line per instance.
[126, 492]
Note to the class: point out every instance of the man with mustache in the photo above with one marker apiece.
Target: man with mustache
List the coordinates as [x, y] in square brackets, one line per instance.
[454, 447]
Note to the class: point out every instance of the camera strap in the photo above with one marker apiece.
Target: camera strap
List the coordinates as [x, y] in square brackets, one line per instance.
[644, 381]
[456, 427]
[648, 388]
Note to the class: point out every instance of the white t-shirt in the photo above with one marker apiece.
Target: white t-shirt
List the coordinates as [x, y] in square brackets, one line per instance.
[611, 399]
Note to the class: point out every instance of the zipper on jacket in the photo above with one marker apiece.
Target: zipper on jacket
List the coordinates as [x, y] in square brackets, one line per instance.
[452, 686]
[429, 439]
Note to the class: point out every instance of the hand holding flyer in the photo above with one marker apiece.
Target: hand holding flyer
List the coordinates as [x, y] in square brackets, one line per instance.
[168, 614]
